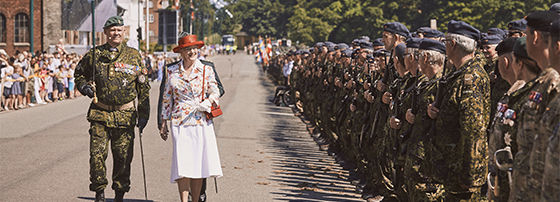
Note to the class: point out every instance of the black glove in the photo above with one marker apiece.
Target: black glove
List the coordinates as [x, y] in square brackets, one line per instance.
[141, 124]
[87, 90]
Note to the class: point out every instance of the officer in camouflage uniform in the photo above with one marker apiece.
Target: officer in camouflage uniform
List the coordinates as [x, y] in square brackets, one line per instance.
[498, 85]
[394, 33]
[420, 186]
[507, 119]
[550, 123]
[528, 165]
[118, 79]
[458, 153]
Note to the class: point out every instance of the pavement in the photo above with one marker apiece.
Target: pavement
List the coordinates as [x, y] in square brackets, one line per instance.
[266, 152]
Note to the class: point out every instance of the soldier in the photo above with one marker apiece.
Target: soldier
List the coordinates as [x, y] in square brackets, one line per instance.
[459, 147]
[394, 33]
[378, 44]
[494, 31]
[529, 161]
[518, 69]
[117, 79]
[550, 120]
[517, 28]
[420, 186]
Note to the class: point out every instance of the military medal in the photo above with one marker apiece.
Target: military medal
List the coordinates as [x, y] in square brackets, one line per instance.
[124, 82]
[534, 99]
[142, 78]
[144, 71]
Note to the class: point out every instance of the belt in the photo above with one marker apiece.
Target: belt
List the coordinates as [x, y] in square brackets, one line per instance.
[115, 107]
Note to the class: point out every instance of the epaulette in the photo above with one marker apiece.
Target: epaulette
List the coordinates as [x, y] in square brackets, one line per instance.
[207, 62]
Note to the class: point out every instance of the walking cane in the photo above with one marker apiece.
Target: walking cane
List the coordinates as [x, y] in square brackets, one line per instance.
[143, 167]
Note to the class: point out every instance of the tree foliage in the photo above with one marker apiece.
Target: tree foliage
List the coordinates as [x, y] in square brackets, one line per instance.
[309, 21]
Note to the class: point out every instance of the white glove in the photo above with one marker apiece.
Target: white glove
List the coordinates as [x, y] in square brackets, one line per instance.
[205, 106]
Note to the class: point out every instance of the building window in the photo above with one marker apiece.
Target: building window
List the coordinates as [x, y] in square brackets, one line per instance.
[150, 4]
[164, 4]
[151, 33]
[2, 28]
[151, 18]
[21, 28]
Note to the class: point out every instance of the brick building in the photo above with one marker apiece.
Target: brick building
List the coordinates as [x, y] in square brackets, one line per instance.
[15, 25]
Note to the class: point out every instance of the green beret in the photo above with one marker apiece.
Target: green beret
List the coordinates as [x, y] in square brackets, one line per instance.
[114, 21]
[520, 48]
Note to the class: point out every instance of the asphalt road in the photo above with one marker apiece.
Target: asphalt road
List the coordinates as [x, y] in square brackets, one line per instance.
[265, 151]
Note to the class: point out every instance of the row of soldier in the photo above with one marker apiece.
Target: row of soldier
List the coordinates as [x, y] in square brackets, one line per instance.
[461, 116]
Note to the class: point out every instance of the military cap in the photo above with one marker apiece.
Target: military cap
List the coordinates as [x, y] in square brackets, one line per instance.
[365, 38]
[347, 53]
[497, 32]
[366, 45]
[491, 40]
[422, 29]
[356, 42]
[331, 47]
[520, 48]
[298, 52]
[381, 52]
[506, 46]
[541, 20]
[430, 44]
[396, 28]
[555, 29]
[305, 52]
[433, 33]
[378, 42]
[114, 21]
[370, 58]
[319, 44]
[342, 46]
[400, 50]
[328, 43]
[517, 25]
[413, 42]
[311, 49]
[555, 7]
[462, 28]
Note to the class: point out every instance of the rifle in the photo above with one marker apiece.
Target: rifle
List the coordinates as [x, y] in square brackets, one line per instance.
[414, 107]
[442, 83]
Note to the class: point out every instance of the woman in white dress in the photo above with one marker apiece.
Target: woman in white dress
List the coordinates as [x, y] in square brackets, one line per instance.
[190, 91]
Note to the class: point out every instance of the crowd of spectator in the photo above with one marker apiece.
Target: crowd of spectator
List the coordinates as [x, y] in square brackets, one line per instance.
[40, 78]
[29, 79]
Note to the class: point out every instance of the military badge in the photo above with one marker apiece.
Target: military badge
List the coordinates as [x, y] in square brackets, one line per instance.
[507, 138]
[142, 78]
[535, 97]
[144, 71]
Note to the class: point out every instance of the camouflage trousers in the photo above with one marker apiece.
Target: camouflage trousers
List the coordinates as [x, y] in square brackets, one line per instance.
[122, 144]
[418, 186]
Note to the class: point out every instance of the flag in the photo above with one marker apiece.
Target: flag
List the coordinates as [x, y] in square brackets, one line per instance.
[192, 11]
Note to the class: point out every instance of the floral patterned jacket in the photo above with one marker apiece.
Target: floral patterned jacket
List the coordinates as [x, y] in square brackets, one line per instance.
[182, 94]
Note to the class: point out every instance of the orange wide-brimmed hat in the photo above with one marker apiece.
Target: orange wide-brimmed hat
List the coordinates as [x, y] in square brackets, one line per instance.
[187, 41]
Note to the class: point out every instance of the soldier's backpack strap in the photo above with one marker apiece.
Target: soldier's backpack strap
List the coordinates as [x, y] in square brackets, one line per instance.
[220, 86]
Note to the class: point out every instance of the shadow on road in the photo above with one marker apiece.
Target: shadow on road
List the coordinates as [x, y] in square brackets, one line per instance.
[111, 200]
[303, 172]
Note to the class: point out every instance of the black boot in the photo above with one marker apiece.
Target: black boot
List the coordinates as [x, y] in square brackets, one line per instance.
[100, 196]
[119, 195]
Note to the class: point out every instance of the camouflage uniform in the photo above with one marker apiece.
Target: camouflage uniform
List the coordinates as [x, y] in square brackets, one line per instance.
[503, 133]
[458, 152]
[533, 111]
[120, 78]
[420, 186]
[550, 123]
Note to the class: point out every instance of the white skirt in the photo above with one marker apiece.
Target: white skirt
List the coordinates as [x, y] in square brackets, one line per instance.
[195, 152]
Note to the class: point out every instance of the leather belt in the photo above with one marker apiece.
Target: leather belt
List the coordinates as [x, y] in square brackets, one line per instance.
[115, 107]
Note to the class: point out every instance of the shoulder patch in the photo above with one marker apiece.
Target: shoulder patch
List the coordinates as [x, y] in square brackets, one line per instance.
[468, 79]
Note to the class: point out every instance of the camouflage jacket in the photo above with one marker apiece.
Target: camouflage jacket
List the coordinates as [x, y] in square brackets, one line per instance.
[120, 78]
[459, 145]
[550, 124]
[537, 102]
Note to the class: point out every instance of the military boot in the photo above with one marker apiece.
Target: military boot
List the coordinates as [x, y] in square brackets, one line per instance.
[119, 195]
[100, 196]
